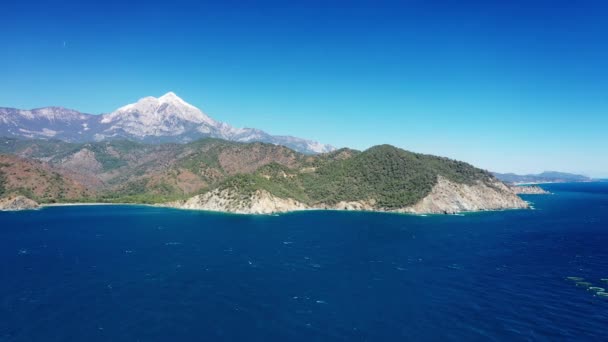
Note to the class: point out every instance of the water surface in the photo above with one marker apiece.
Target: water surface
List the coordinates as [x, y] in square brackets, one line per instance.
[100, 273]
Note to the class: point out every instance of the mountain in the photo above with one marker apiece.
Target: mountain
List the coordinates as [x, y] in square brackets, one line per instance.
[152, 120]
[46, 123]
[129, 171]
[544, 177]
[215, 174]
[382, 178]
[37, 181]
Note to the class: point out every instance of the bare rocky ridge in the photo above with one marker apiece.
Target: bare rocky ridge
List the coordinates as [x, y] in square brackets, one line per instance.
[450, 198]
[259, 202]
[84, 161]
[17, 203]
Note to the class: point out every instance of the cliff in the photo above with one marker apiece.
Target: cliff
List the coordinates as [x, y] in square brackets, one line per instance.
[446, 197]
[258, 202]
[17, 203]
[450, 198]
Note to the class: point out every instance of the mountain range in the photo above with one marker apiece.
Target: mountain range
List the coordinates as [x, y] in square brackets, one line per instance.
[152, 120]
[216, 174]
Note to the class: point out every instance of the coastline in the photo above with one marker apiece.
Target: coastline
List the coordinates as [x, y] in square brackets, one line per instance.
[296, 210]
[445, 198]
[74, 204]
[78, 204]
[371, 211]
[301, 210]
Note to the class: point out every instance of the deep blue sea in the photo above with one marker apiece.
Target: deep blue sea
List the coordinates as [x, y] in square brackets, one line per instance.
[134, 273]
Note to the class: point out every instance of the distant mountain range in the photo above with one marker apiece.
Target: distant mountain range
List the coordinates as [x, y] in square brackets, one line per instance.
[544, 177]
[152, 120]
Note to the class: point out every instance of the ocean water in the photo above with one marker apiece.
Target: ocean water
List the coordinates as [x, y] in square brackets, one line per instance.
[134, 273]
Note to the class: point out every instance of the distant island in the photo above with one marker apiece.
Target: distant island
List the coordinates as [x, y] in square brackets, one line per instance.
[544, 177]
[164, 151]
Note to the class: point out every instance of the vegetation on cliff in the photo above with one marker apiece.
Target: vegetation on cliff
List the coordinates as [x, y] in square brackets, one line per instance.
[391, 177]
[124, 171]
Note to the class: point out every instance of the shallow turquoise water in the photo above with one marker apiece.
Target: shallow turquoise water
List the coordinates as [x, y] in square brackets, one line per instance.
[140, 273]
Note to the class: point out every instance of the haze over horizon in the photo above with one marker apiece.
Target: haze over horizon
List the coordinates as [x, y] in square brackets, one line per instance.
[510, 87]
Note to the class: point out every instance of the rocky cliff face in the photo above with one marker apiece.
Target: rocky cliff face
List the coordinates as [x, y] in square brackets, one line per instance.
[258, 202]
[17, 203]
[445, 198]
[450, 198]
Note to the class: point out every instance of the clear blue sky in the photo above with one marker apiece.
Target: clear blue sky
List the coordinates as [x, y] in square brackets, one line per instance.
[508, 85]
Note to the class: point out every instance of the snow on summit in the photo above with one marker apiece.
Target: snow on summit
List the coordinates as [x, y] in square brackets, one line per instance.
[167, 118]
[153, 109]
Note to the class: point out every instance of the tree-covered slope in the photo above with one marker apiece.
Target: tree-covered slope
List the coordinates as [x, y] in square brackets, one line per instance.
[124, 171]
[390, 177]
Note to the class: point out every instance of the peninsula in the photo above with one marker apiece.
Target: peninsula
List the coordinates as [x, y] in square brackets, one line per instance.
[255, 178]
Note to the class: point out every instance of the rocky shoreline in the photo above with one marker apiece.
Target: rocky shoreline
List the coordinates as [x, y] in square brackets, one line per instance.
[445, 198]
[13, 203]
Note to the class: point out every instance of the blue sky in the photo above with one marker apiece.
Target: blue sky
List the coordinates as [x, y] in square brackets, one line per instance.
[505, 85]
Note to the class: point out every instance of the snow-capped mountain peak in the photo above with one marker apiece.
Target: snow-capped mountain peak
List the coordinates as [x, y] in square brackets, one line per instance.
[171, 97]
[152, 110]
[167, 118]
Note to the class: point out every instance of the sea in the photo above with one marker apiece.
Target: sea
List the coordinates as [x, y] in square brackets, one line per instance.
[138, 273]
